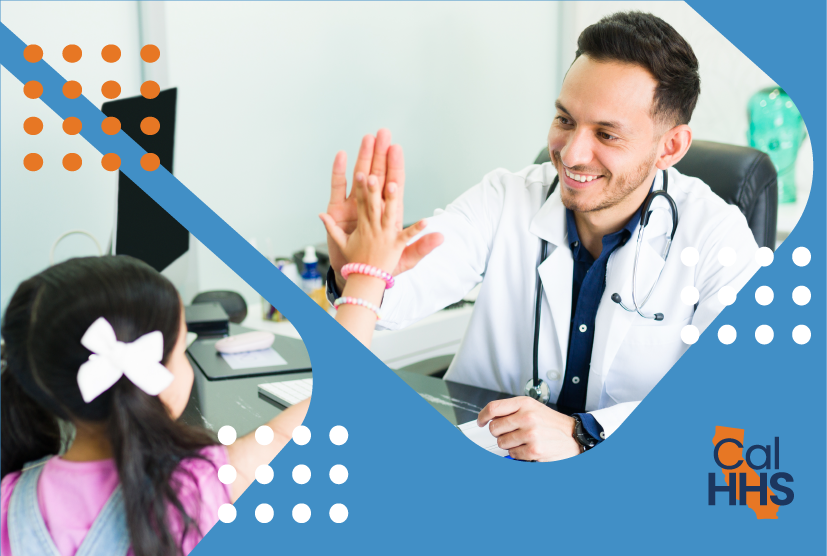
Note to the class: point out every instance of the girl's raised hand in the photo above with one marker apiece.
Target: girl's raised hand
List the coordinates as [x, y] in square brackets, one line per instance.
[378, 239]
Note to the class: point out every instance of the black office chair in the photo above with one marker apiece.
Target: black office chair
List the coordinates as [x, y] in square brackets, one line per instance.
[232, 303]
[741, 176]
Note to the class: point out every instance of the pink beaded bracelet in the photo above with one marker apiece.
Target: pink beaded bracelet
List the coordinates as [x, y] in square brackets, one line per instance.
[357, 301]
[360, 268]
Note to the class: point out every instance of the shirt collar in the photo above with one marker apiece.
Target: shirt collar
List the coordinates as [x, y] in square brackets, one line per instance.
[627, 230]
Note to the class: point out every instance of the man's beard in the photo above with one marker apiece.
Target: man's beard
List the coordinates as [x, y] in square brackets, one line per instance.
[617, 188]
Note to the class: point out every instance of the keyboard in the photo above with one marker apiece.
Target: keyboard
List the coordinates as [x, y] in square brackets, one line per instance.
[287, 392]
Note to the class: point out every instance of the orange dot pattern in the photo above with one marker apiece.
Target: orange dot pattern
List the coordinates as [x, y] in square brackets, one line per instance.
[111, 126]
[33, 53]
[150, 53]
[150, 89]
[33, 89]
[111, 53]
[33, 162]
[72, 53]
[33, 126]
[150, 126]
[72, 125]
[111, 162]
[72, 89]
[150, 162]
[111, 89]
[72, 162]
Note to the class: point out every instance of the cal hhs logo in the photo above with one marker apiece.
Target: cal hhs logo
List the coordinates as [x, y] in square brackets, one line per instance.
[752, 477]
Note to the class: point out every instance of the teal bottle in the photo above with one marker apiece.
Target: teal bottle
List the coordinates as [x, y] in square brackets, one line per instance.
[777, 128]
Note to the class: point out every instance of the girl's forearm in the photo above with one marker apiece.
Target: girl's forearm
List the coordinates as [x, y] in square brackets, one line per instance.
[361, 321]
[246, 454]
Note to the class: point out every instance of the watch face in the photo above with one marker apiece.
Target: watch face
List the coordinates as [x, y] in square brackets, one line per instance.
[582, 437]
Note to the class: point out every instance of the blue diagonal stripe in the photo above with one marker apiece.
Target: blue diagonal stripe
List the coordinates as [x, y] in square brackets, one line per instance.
[218, 236]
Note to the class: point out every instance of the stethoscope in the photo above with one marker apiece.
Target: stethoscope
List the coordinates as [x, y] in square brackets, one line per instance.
[538, 389]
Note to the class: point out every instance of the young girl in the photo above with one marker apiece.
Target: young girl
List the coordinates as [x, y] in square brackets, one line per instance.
[97, 346]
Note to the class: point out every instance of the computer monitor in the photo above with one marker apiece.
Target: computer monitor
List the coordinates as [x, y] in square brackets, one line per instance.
[142, 228]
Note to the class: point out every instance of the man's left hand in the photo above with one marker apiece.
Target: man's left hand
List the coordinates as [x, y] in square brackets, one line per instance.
[530, 430]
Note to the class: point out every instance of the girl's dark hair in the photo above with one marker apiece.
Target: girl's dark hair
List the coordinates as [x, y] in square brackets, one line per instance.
[42, 328]
[648, 41]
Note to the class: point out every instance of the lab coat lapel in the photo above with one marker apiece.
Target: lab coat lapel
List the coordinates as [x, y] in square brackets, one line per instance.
[613, 321]
[556, 271]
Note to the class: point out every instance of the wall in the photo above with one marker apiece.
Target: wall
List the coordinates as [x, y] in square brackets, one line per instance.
[37, 207]
[728, 80]
[269, 92]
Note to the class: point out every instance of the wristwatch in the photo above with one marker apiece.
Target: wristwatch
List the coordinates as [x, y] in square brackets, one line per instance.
[586, 441]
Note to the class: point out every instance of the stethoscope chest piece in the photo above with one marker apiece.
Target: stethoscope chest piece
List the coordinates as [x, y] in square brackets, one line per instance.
[539, 392]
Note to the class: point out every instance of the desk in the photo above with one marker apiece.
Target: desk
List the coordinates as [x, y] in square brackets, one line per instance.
[236, 402]
[459, 403]
[436, 337]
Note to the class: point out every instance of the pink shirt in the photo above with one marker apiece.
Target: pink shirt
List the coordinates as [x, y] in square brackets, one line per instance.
[71, 494]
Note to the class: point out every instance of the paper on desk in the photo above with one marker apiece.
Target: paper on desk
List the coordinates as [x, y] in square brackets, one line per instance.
[254, 359]
[482, 437]
[191, 337]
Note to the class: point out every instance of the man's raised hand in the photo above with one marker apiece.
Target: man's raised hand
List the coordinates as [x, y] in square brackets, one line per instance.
[386, 164]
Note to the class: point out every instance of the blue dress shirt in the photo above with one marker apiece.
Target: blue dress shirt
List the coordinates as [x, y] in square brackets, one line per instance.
[588, 283]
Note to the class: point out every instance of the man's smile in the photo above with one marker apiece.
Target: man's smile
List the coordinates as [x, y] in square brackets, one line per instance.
[582, 178]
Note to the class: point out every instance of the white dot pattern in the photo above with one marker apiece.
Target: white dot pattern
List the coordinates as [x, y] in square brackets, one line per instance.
[690, 295]
[727, 256]
[301, 513]
[801, 295]
[264, 435]
[301, 474]
[764, 256]
[727, 334]
[338, 435]
[264, 474]
[764, 334]
[227, 435]
[338, 513]
[801, 334]
[690, 334]
[338, 474]
[690, 256]
[727, 295]
[264, 513]
[301, 435]
[227, 474]
[764, 295]
[801, 256]
[226, 513]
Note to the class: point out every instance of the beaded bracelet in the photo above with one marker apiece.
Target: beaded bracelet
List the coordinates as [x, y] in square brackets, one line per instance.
[360, 268]
[357, 301]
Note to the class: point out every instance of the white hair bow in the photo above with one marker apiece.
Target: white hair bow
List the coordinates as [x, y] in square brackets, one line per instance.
[140, 361]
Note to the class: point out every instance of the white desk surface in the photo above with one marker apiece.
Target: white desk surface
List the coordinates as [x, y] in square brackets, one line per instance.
[436, 335]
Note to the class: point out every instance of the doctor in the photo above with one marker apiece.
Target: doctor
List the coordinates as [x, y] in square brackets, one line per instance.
[621, 124]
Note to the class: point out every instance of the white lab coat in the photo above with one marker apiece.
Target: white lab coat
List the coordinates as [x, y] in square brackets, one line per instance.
[492, 234]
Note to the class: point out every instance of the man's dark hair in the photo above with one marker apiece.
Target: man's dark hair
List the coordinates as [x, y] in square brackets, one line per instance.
[648, 41]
